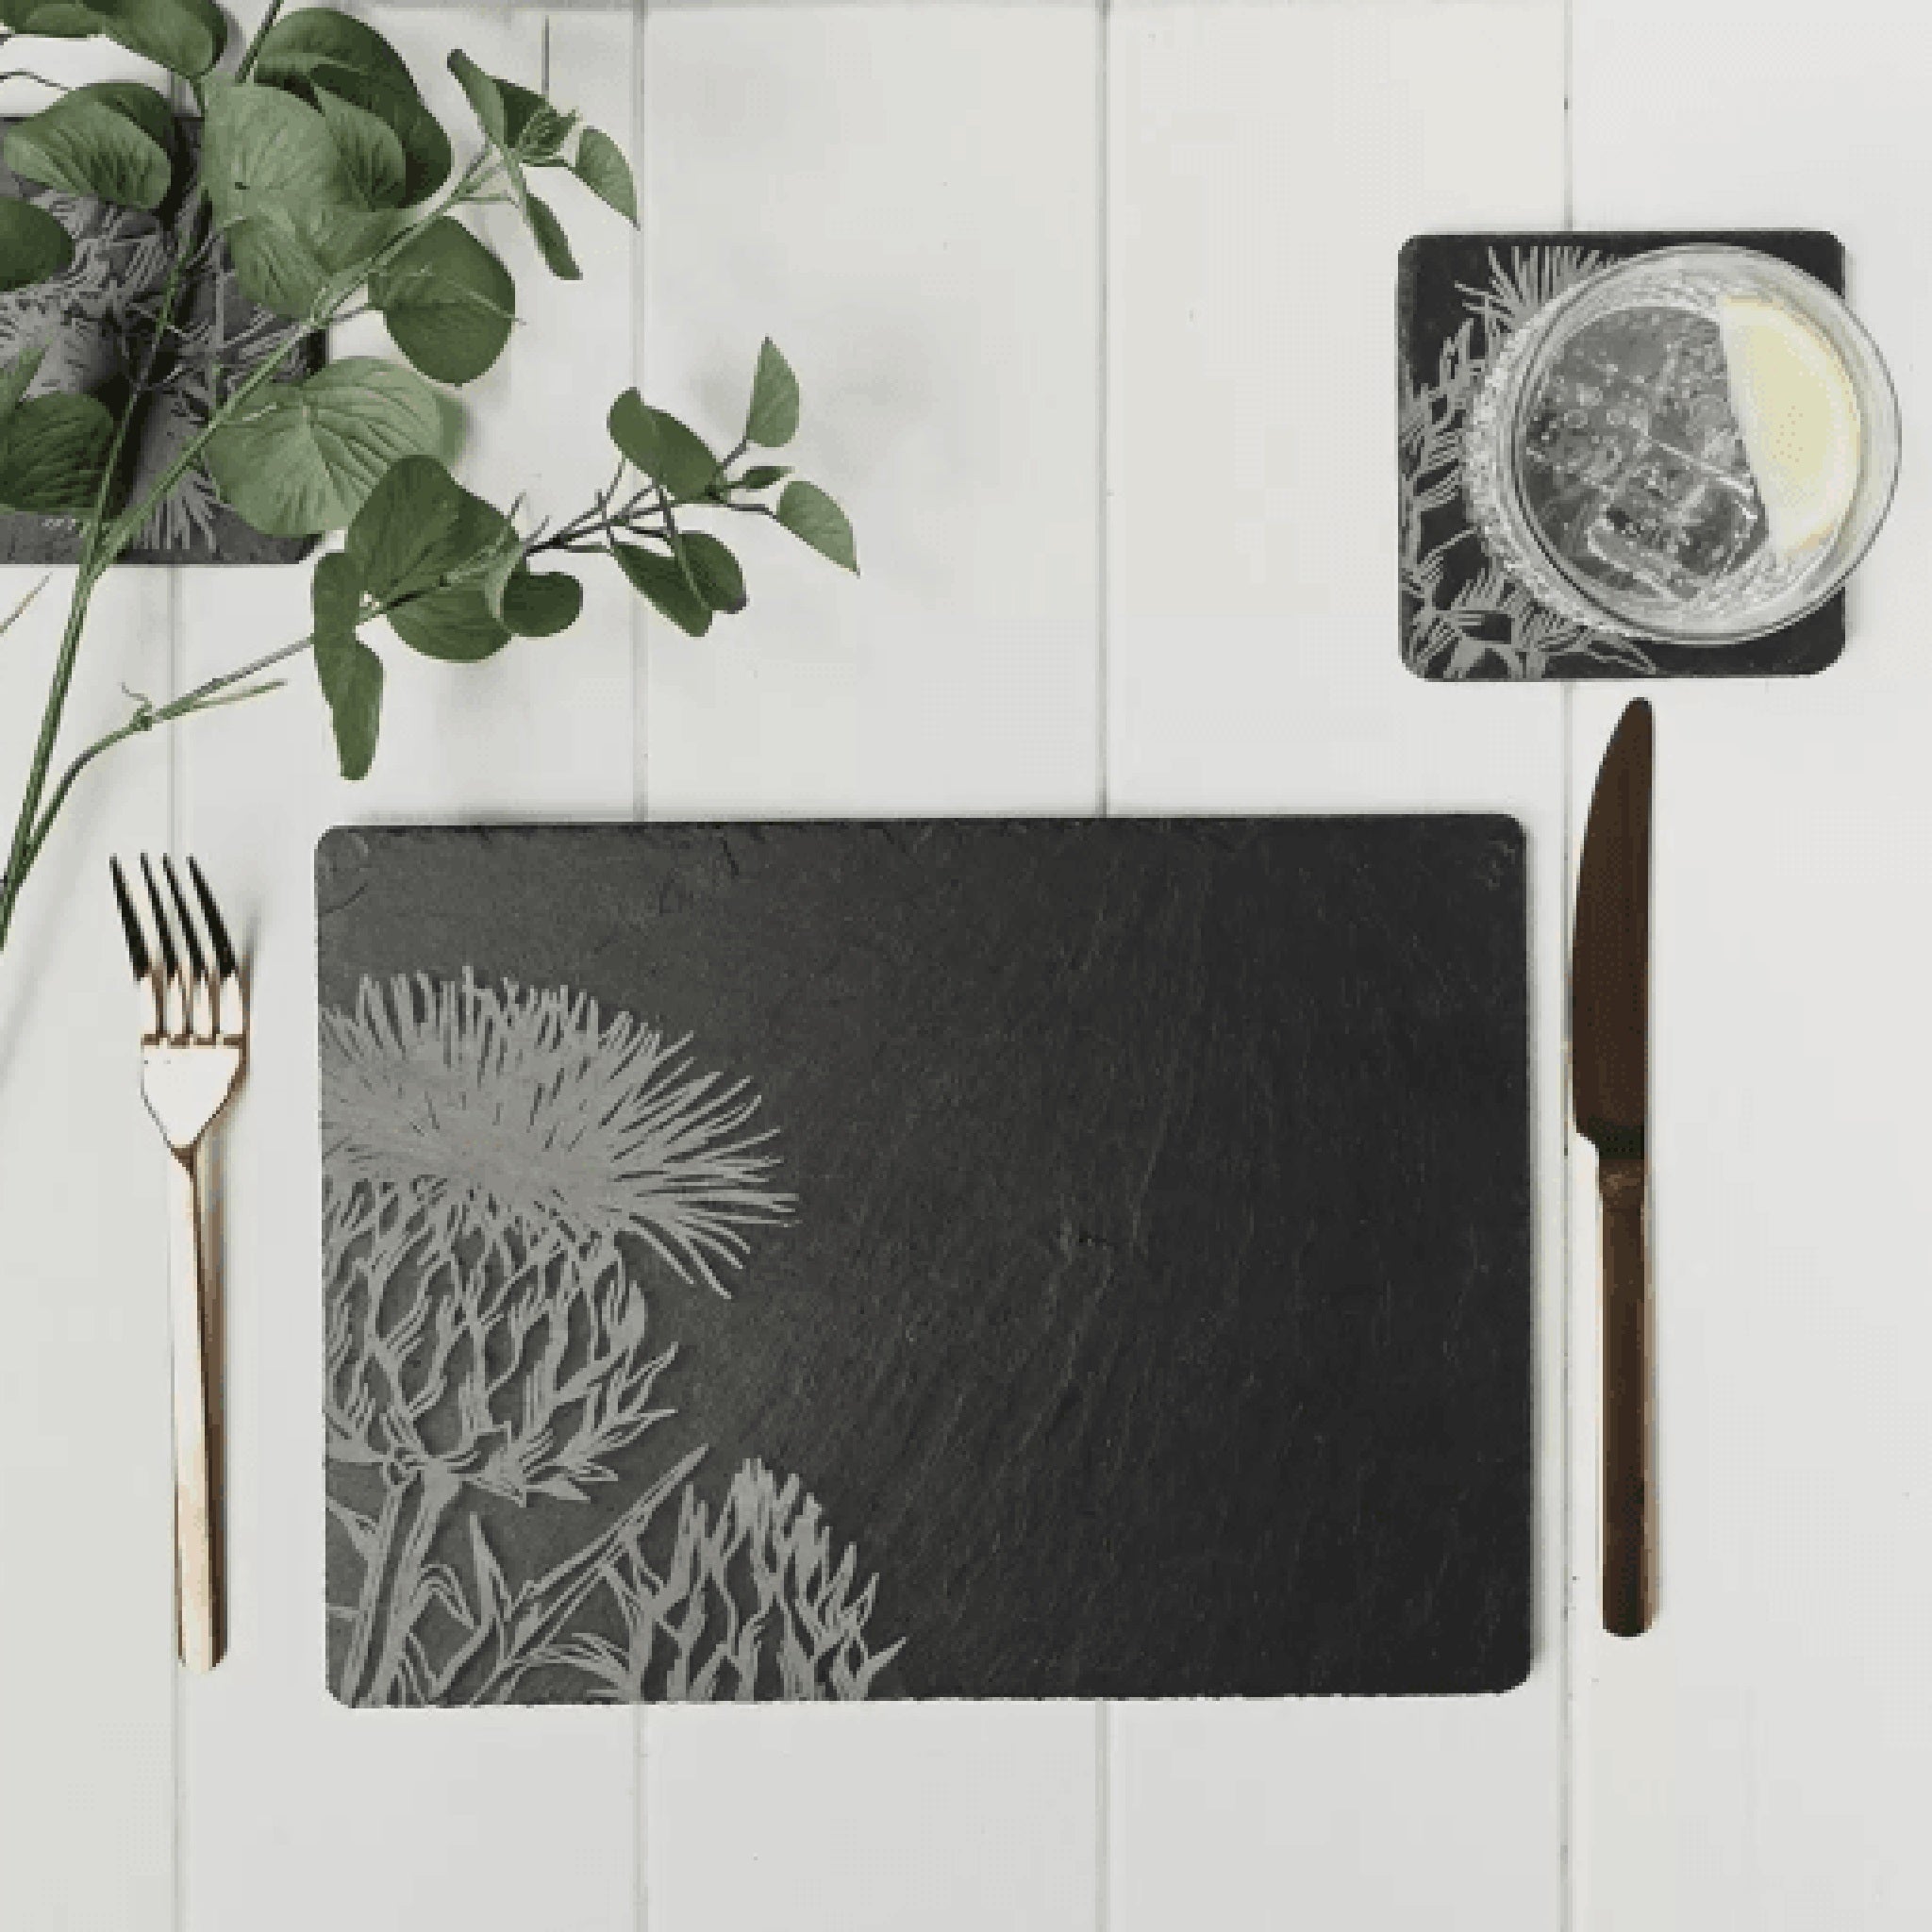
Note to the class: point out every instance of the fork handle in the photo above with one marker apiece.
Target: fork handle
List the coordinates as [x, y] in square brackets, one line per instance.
[197, 1423]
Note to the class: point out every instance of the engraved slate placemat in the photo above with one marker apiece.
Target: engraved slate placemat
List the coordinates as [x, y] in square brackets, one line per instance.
[85, 316]
[1458, 297]
[926, 1259]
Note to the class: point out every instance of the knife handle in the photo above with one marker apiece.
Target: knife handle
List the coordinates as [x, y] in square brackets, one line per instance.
[1629, 1496]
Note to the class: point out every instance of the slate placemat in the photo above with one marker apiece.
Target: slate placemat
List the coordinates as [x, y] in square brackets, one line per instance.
[1458, 297]
[86, 318]
[945, 1259]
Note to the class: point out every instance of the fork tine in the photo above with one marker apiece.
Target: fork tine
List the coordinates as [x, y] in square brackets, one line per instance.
[130, 924]
[145, 979]
[217, 931]
[174, 1000]
[201, 991]
[229, 997]
[190, 938]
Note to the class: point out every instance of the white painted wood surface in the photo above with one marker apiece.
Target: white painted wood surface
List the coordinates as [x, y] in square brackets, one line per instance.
[1093, 305]
[1765, 1759]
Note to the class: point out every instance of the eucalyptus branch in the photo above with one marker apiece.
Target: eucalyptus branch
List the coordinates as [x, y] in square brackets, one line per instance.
[94, 560]
[594, 528]
[356, 446]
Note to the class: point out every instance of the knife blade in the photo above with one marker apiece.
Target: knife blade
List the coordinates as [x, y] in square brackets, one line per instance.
[1610, 1082]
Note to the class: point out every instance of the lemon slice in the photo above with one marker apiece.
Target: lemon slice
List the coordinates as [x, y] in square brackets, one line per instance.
[1794, 404]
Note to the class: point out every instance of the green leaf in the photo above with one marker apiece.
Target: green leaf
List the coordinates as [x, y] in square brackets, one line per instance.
[350, 672]
[450, 305]
[539, 606]
[814, 518]
[773, 419]
[420, 528]
[14, 378]
[300, 45]
[304, 456]
[184, 36]
[456, 626]
[33, 245]
[484, 96]
[371, 151]
[318, 51]
[351, 676]
[336, 594]
[661, 580]
[286, 257]
[426, 159]
[55, 20]
[275, 266]
[144, 106]
[53, 455]
[601, 167]
[715, 571]
[660, 447]
[513, 118]
[761, 476]
[84, 144]
[261, 148]
[535, 130]
[552, 242]
[425, 546]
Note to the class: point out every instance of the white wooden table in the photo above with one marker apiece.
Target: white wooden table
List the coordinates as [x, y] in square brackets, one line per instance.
[1093, 305]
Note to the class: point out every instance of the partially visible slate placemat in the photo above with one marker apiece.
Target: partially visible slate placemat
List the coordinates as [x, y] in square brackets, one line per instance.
[1131, 1299]
[91, 317]
[1458, 297]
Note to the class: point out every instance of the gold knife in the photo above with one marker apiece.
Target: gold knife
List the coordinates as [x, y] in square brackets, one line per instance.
[1609, 1080]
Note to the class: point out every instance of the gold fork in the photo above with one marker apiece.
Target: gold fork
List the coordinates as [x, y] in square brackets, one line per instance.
[193, 1033]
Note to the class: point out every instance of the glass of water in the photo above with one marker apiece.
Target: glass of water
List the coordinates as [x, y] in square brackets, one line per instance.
[1694, 447]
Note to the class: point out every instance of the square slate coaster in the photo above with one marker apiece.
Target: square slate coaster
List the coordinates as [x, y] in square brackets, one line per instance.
[926, 1259]
[84, 316]
[1458, 297]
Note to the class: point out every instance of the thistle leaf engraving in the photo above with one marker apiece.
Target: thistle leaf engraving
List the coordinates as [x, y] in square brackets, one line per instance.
[497, 1163]
[1461, 613]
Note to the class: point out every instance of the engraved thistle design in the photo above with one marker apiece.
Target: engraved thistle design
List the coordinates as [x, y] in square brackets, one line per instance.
[1461, 614]
[500, 1168]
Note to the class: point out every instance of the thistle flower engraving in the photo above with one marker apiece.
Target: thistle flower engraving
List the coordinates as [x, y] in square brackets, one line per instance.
[495, 1161]
[1461, 613]
[511, 1114]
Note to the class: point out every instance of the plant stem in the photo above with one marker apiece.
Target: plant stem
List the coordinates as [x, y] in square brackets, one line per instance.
[96, 556]
[252, 53]
[99, 547]
[19, 611]
[207, 697]
[388, 1612]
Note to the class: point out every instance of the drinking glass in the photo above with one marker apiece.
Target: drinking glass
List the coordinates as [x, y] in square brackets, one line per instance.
[1693, 446]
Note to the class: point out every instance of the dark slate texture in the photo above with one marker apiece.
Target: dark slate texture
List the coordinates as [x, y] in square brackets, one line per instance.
[1157, 1314]
[1435, 278]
